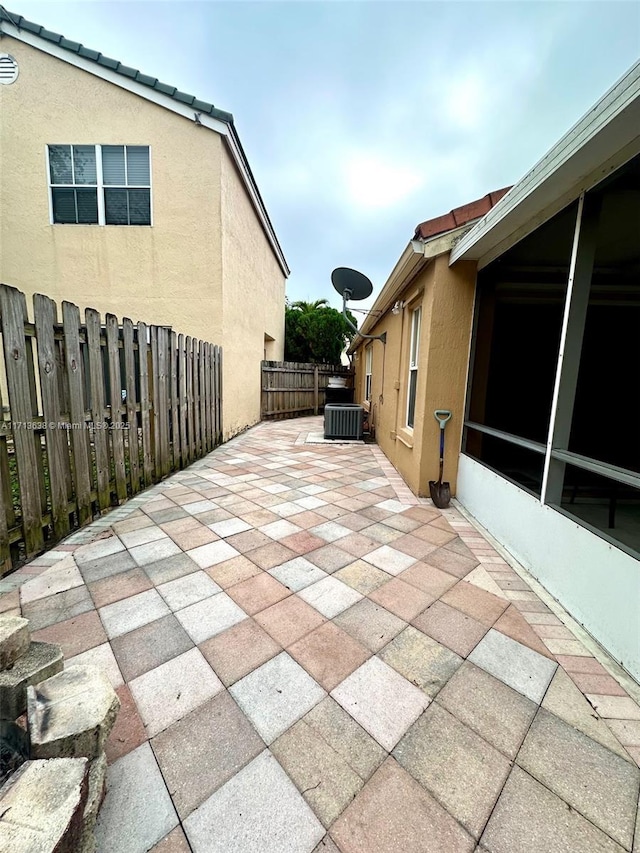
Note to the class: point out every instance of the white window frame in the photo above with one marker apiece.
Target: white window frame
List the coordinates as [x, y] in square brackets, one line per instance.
[414, 351]
[368, 365]
[100, 185]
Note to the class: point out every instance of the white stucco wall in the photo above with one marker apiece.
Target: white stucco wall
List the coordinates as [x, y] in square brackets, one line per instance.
[597, 583]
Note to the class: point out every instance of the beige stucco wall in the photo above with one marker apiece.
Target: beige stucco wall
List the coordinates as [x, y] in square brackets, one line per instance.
[205, 238]
[253, 302]
[446, 296]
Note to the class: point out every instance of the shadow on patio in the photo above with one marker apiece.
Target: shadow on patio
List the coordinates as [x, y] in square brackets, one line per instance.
[309, 658]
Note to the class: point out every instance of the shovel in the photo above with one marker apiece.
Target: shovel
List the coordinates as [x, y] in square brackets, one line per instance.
[441, 492]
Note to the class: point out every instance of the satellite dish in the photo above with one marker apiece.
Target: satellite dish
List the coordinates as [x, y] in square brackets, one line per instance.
[351, 284]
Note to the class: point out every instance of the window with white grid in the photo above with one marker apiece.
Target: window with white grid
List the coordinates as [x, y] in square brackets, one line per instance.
[368, 363]
[100, 184]
[413, 366]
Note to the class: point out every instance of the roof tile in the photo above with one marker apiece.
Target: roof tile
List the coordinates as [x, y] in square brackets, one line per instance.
[459, 215]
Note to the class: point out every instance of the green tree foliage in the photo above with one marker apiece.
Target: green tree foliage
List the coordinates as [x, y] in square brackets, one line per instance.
[315, 332]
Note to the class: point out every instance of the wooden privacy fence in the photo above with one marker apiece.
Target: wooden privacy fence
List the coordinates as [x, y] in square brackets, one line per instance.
[290, 388]
[96, 413]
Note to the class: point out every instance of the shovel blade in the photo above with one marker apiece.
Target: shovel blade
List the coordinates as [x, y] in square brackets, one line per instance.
[440, 493]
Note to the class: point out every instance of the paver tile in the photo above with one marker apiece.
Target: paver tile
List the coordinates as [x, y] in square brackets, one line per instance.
[75, 635]
[434, 535]
[603, 685]
[239, 650]
[459, 768]
[233, 571]
[450, 626]
[566, 701]
[102, 547]
[615, 707]
[174, 842]
[346, 737]
[600, 785]
[101, 656]
[330, 531]
[402, 599]
[137, 811]
[422, 660]
[212, 553]
[195, 536]
[389, 560]
[259, 810]
[303, 542]
[203, 750]
[329, 654]
[497, 713]
[429, 579]
[168, 692]
[210, 617]
[150, 645]
[248, 541]
[142, 536]
[288, 620]
[358, 544]
[362, 576]
[529, 818]
[153, 551]
[516, 665]
[229, 527]
[394, 814]
[271, 555]
[514, 625]
[170, 568]
[330, 596]
[103, 567]
[188, 590]
[276, 695]
[370, 624]
[475, 602]
[128, 731]
[323, 777]
[382, 701]
[114, 588]
[297, 573]
[258, 593]
[451, 562]
[130, 613]
[329, 558]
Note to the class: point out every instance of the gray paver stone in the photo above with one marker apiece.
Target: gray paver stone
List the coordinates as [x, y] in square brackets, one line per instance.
[72, 713]
[42, 807]
[14, 639]
[97, 790]
[41, 661]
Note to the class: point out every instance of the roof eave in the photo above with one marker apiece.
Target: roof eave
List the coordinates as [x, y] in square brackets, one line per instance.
[603, 140]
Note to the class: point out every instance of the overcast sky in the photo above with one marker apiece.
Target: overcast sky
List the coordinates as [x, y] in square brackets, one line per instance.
[361, 119]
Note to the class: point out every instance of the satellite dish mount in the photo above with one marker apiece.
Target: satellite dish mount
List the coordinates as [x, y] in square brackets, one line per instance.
[352, 284]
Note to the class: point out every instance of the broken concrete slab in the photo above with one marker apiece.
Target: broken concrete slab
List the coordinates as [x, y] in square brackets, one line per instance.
[14, 639]
[72, 713]
[41, 661]
[97, 789]
[42, 806]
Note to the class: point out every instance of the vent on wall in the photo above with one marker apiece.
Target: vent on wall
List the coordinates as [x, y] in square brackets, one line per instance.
[8, 69]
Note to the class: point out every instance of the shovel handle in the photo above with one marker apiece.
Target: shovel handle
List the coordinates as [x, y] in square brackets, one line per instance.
[442, 416]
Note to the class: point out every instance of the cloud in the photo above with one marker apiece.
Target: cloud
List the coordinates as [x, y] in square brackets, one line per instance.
[375, 181]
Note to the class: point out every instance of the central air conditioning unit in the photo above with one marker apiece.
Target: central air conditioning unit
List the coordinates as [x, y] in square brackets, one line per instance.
[343, 421]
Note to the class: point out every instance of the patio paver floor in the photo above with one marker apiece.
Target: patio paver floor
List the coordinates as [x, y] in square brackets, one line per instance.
[311, 659]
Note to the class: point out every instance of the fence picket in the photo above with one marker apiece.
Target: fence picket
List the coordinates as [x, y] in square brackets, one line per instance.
[115, 407]
[55, 434]
[80, 449]
[131, 404]
[175, 430]
[29, 461]
[182, 400]
[96, 380]
[145, 414]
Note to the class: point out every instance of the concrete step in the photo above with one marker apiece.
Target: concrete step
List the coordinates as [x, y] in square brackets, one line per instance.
[71, 714]
[42, 807]
[39, 662]
[14, 639]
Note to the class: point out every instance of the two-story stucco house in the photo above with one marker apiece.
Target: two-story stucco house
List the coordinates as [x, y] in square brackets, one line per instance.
[120, 193]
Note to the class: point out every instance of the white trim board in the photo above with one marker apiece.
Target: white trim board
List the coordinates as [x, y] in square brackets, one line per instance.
[222, 128]
[597, 583]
